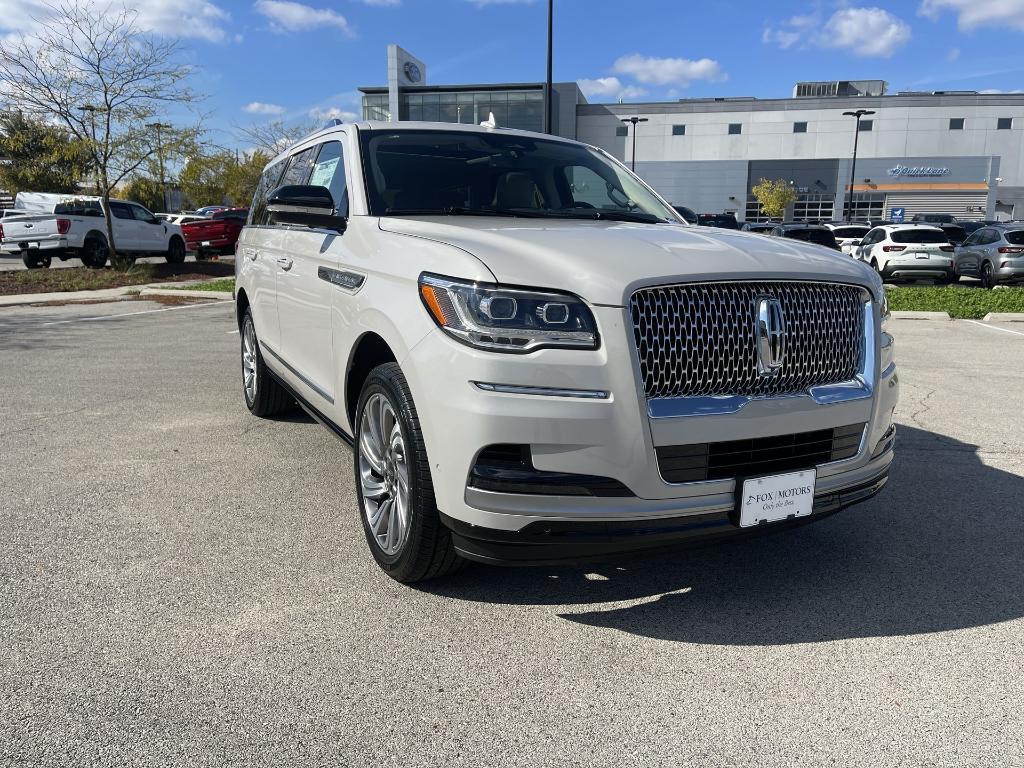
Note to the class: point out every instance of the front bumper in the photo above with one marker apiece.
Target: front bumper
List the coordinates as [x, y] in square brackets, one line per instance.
[611, 438]
[549, 543]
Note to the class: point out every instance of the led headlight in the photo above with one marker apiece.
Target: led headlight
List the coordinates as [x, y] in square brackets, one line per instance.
[884, 309]
[508, 319]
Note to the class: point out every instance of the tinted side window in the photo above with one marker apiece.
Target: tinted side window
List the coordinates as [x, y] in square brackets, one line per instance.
[121, 211]
[329, 171]
[299, 168]
[141, 214]
[268, 182]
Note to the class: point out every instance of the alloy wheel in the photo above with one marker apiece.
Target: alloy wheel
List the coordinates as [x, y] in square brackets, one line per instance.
[384, 474]
[249, 362]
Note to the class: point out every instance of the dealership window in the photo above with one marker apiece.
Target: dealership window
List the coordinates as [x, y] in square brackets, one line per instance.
[813, 207]
[1004, 123]
[735, 128]
[799, 127]
[867, 125]
[865, 206]
[956, 123]
[622, 131]
[678, 130]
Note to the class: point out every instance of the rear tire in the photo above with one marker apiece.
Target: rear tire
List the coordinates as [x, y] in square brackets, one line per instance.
[35, 262]
[264, 396]
[202, 255]
[94, 253]
[400, 519]
[987, 278]
[175, 251]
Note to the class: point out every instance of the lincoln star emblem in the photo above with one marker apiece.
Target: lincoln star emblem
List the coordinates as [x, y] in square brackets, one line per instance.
[770, 332]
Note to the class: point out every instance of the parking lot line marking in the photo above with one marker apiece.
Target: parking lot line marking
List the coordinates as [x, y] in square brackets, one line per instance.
[995, 327]
[133, 314]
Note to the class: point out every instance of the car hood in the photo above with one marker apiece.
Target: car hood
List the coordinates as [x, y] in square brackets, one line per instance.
[604, 262]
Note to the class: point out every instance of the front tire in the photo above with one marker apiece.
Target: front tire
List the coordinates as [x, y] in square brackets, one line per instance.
[176, 251]
[264, 396]
[400, 519]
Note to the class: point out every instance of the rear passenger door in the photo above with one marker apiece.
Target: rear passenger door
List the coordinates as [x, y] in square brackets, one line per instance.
[151, 231]
[125, 227]
[255, 253]
[307, 285]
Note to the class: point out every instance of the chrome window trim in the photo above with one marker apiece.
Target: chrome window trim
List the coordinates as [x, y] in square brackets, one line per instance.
[518, 389]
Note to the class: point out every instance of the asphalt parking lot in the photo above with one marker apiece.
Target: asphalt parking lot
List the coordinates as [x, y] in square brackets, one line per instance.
[183, 584]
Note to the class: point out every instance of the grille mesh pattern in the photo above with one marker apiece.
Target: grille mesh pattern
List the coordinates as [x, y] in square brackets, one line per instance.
[698, 340]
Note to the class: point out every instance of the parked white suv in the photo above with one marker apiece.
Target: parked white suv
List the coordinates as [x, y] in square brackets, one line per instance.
[537, 360]
[908, 251]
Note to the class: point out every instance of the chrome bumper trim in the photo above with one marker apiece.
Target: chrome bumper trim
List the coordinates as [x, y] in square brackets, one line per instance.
[517, 389]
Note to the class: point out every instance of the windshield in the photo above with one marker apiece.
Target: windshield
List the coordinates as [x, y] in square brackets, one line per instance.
[721, 220]
[460, 173]
[919, 236]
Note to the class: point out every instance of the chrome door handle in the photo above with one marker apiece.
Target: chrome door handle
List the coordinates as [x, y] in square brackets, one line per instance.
[285, 263]
[250, 253]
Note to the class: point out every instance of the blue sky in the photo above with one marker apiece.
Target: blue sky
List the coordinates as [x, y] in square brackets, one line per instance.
[264, 59]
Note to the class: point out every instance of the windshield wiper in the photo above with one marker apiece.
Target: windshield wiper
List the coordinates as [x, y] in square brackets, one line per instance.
[455, 210]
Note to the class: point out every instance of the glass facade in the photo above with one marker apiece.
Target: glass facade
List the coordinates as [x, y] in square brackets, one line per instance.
[522, 109]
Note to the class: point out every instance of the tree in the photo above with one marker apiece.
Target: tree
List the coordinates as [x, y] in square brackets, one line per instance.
[203, 179]
[222, 178]
[145, 191]
[774, 196]
[39, 156]
[277, 135]
[243, 176]
[94, 71]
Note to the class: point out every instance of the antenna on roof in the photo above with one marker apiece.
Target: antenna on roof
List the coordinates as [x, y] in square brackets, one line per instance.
[490, 122]
[332, 122]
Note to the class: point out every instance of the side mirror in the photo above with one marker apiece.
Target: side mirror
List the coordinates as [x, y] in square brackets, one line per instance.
[308, 206]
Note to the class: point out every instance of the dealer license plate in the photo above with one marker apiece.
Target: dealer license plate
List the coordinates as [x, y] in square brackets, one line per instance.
[777, 497]
[205, 243]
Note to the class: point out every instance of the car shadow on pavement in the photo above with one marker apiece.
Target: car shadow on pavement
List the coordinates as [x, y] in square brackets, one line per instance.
[939, 549]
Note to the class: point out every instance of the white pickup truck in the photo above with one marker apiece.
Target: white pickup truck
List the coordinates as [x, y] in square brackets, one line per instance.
[43, 226]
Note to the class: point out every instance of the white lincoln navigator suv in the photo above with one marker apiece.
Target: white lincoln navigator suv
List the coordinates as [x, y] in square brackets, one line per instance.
[536, 359]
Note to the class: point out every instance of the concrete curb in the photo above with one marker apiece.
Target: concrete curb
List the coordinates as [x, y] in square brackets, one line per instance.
[914, 315]
[186, 293]
[22, 299]
[1004, 317]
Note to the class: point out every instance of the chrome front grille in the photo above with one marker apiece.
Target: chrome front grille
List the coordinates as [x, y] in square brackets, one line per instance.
[699, 340]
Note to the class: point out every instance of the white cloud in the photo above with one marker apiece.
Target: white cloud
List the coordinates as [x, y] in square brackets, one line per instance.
[680, 72]
[287, 16]
[862, 31]
[329, 113]
[997, 91]
[953, 55]
[977, 13]
[609, 88]
[199, 19]
[260, 108]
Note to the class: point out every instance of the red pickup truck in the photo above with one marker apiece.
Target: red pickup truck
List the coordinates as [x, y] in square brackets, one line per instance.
[215, 235]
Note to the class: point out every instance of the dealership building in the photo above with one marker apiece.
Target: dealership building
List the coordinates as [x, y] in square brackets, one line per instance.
[958, 152]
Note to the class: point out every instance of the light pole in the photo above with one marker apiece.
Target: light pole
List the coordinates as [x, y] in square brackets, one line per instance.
[160, 159]
[634, 120]
[92, 110]
[853, 166]
[547, 82]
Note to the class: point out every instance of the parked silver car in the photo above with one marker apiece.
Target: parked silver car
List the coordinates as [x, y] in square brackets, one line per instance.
[993, 254]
